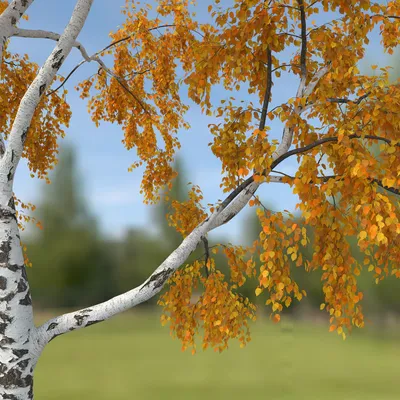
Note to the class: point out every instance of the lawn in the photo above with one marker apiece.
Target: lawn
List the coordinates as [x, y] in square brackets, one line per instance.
[133, 357]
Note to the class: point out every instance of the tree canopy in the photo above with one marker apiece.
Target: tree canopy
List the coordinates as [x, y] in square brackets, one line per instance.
[330, 124]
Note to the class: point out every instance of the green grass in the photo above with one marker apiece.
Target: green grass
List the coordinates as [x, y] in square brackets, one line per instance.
[133, 357]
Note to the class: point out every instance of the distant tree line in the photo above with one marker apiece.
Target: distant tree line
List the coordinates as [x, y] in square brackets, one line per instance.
[80, 267]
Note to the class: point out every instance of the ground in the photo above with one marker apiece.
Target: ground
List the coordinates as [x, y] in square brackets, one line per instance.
[133, 357]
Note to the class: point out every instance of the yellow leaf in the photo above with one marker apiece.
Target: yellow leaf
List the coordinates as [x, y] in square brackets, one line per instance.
[380, 237]
[362, 235]
[258, 291]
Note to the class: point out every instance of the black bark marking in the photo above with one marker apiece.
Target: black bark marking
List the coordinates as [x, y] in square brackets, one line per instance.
[7, 213]
[24, 134]
[20, 352]
[23, 364]
[159, 279]
[22, 286]
[5, 317]
[8, 297]
[12, 160]
[11, 397]
[10, 175]
[3, 283]
[13, 378]
[80, 318]
[11, 202]
[26, 301]
[96, 321]
[14, 267]
[13, 20]
[52, 326]
[57, 60]
[24, 3]
[42, 88]
[23, 273]
[86, 310]
[5, 249]
[229, 217]
[3, 327]
[6, 340]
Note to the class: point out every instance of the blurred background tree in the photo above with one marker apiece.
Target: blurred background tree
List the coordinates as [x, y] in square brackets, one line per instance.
[76, 268]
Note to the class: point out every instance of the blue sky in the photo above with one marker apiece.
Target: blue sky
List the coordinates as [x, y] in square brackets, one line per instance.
[111, 191]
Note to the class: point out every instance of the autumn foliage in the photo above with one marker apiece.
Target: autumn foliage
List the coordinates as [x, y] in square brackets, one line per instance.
[341, 126]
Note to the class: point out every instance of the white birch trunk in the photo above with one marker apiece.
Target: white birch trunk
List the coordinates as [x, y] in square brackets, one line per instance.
[16, 318]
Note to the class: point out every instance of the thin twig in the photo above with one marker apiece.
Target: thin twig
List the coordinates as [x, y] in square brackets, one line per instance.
[303, 52]
[207, 254]
[267, 96]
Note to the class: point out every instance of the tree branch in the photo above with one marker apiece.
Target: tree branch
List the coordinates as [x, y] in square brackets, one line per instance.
[40, 34]
[100, 312]
[345, 100]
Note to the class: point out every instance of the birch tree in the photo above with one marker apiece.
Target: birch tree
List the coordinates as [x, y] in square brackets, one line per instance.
[329, 125]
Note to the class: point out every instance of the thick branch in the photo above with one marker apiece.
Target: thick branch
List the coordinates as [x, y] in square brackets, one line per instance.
[100, 312]
[40, 34]
[31, 98]
[279, 152]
